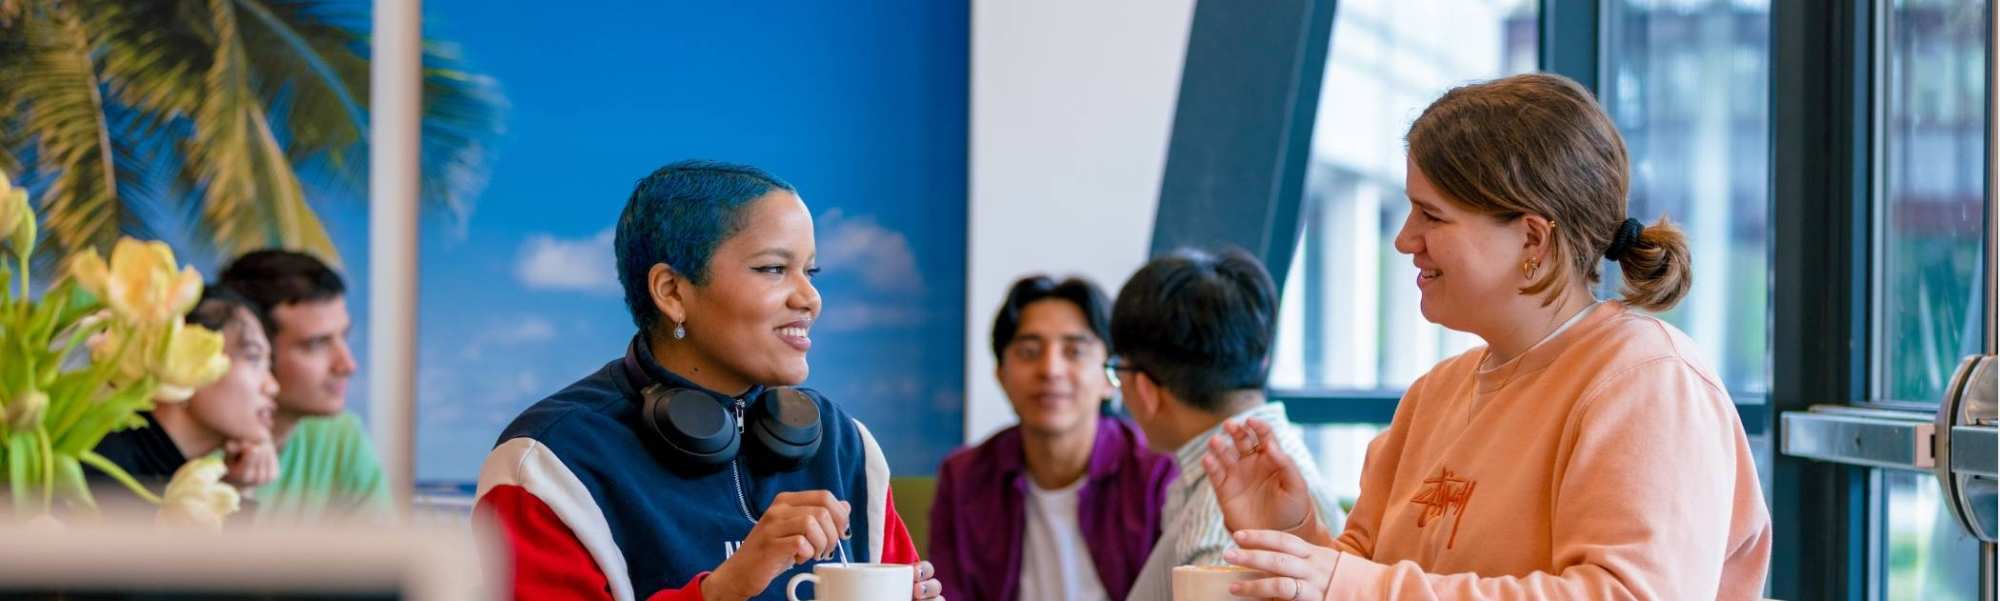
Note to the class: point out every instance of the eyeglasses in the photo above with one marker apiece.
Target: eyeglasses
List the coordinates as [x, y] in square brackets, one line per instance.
[1117, 364]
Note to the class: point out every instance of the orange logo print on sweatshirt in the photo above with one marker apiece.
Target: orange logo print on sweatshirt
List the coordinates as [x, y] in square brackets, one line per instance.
[1444, 496]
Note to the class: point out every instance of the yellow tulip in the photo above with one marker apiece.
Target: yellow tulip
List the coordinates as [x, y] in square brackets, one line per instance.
[196, 495]
[137, 361]
[192, 359]
[142, 286]
[13, 206]
[90, 272]
[181, 358]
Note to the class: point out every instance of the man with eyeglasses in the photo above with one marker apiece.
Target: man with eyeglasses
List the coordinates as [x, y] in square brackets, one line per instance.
[1192, 333]
[1065, 505]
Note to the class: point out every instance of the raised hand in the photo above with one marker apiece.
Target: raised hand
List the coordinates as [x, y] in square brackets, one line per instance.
[1257, 485]
[252, 463]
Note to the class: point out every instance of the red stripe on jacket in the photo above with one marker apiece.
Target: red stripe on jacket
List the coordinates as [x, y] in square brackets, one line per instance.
[549, 562]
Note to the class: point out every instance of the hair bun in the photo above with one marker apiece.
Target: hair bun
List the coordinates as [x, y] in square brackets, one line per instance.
[1628, 234]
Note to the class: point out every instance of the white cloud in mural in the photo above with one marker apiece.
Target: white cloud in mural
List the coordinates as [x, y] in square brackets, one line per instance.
[463, 396]
[879, 255]
[851, 316]
[586, 265]
[511, 333]
[527, 330]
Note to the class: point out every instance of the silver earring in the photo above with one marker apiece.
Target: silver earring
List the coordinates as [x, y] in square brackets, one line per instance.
[680, 331]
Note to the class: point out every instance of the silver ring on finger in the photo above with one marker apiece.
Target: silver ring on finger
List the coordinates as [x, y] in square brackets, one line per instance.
[1297, 587]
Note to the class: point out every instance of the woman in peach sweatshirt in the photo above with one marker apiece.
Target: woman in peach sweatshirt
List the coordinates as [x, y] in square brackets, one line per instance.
[1584, 452]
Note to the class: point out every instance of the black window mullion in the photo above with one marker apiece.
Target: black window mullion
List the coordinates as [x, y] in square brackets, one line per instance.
[1242, 131]
[1821, 197]
[1570, 42]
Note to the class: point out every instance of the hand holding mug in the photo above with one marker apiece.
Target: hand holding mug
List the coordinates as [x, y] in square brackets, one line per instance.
[1296, 569]
[927, 586]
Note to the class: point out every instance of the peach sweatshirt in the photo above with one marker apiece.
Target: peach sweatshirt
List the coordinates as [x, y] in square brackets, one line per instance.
[1606, 462]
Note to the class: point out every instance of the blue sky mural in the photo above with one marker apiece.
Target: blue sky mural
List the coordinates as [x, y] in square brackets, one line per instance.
[862, 107]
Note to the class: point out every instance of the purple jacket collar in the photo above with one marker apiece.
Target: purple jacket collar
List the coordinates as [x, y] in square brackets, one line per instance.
[1113, 435]
[979, 516]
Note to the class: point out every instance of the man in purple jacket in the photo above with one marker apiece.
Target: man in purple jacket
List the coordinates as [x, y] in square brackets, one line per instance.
[1065, 505]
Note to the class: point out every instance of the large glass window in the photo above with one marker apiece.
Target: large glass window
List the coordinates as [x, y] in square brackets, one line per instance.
[1689, 86]
[1933, 185]
[1930, 556]
[1348, 318]
[1929, 266]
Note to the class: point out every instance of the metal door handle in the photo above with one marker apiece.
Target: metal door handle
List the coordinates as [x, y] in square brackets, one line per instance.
[1964, 446]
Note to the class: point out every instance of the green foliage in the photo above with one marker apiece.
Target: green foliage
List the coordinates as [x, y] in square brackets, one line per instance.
[248, 106]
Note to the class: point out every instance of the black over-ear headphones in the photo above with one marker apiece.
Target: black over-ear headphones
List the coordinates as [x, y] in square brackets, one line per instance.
[700, 428]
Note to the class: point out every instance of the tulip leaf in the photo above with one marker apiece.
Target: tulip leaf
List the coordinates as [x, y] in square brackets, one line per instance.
[117, 473]
[70, 483]
[48, 470]
[20, 455]
[104, 417]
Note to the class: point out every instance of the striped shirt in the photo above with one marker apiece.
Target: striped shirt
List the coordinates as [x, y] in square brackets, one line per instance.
[1191, 531]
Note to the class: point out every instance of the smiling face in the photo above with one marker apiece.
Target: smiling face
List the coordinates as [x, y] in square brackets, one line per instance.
[750, 321]
[1468, 262]
[1053, 369]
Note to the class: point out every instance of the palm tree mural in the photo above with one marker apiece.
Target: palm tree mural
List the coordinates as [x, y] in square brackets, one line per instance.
[224, 115]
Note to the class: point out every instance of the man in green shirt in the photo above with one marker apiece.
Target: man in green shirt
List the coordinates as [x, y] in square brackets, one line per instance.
[326, 466]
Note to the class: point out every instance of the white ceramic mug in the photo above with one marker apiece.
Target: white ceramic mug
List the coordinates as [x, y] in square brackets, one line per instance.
[1211, 583]
[835, 581]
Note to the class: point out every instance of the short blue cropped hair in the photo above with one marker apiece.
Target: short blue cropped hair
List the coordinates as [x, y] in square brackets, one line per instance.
[678, 216]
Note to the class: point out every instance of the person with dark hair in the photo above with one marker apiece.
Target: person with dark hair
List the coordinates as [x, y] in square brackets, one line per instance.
[231, 415]
[1584, 452]
[327, 465]
[1191, 334]
[1066, 504]
[693, 468]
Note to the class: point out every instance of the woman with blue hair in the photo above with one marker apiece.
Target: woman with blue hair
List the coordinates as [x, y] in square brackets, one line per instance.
[691, 468]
